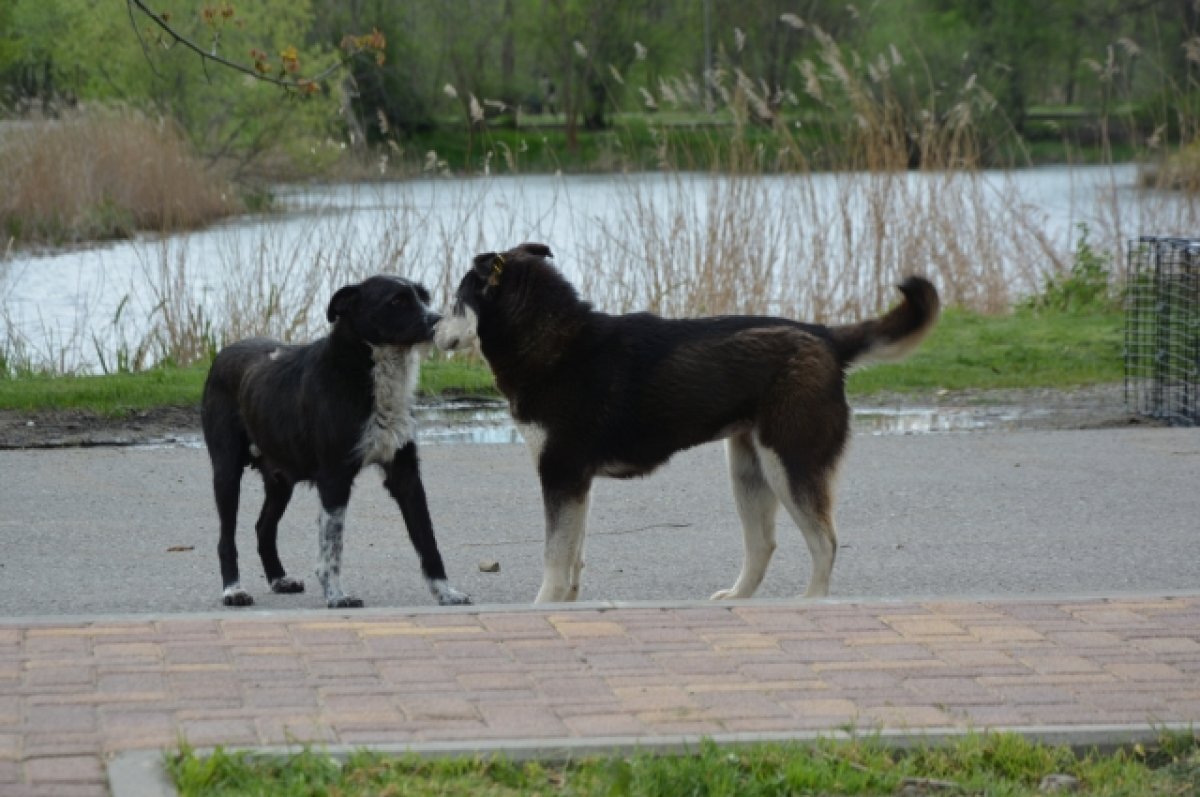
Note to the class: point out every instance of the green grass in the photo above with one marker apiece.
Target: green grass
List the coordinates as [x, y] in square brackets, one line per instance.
[1021, 350]
[966, 350]
[116, 394]
[993, 764]
[634, 141]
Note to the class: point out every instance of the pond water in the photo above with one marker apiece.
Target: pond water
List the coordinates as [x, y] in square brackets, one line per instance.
[86, 308]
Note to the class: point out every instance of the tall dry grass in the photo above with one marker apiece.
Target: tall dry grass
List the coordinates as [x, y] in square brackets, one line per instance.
[892, 186]
[825, 223]
[100, 174]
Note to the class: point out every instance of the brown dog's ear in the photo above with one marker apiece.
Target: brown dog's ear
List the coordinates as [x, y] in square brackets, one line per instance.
[342, 302]
[538, 250]
[483, 263]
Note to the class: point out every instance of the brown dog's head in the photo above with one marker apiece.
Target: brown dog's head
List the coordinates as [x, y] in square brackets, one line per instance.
[496, 279]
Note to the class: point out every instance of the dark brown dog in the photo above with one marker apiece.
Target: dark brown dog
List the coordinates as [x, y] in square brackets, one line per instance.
[616, 395]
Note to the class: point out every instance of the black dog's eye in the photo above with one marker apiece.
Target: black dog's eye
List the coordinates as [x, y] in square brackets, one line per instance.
[399, 299]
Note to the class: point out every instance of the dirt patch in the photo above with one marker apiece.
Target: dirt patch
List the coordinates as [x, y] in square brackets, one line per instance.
[1100, 406]
[78, 428]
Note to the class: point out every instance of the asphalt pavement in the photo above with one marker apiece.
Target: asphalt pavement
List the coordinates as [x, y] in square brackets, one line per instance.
[1024, 513]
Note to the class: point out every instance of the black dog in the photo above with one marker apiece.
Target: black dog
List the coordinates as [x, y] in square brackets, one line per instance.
[617, 395]
[319, 413]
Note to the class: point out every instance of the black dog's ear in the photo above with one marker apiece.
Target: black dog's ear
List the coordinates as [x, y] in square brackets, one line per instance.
[342, 302]
[539, 250]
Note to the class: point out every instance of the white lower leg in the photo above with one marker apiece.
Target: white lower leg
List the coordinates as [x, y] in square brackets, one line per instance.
[330, 524]
[756, 506]
[810, 511]
[565, 527]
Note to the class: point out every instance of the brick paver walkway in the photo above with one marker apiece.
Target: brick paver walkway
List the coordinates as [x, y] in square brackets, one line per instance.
[73, 692]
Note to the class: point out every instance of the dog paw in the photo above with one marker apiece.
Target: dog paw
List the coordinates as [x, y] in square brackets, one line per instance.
[447, 595]
[287, 585]
[236, 596]
[345, 602]
[453, 597]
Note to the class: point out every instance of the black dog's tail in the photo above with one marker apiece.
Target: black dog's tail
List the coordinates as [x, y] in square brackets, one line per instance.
[894, 335]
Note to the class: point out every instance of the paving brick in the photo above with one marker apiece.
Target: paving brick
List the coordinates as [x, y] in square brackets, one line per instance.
[738, 705]
[1146, 671]
[1060, 663]
[741, 641]
[1172, 644]
[597, 628]
[36, 744]
[42, 678]
[925, 627]
[10, 745]
[210, 732]
[823, 707]
[614, 724]
[906, 717]
[776, 620]
[651, 698]
[60, 718]
[623, 662]
[1007, 634]
[775, 670]
[281, 697]
[528, 720]
[495, 681]
[858, 679]
[437, 709]
[63, 769]
[959, 691]
[294, 729]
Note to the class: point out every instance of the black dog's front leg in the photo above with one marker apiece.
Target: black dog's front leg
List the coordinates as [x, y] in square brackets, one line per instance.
[403, 481]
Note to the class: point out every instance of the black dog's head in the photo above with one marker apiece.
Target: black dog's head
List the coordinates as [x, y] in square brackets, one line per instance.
[384, 311]
[494, 279]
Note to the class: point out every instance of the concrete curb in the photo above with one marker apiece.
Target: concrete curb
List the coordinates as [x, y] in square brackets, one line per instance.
[599, 605]
[140, 773]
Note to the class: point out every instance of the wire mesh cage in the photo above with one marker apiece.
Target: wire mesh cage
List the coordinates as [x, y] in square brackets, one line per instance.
[1162, 329]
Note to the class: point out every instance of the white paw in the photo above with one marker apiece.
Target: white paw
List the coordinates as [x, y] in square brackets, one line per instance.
[236, 596]
[447, 595]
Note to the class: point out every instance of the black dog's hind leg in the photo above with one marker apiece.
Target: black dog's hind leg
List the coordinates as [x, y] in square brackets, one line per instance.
[278, 491]
[402, 478]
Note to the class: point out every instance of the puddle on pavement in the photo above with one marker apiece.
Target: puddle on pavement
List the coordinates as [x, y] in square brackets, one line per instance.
[473, 421]
[489, 422]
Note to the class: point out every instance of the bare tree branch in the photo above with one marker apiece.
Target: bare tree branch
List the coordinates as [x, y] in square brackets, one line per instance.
[303, 84]
[141, 41]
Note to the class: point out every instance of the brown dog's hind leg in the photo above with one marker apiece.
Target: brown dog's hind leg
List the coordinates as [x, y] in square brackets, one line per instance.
[756, 506]
[808, 498]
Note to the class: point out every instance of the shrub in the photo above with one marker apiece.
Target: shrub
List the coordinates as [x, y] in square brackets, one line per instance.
[102, 174]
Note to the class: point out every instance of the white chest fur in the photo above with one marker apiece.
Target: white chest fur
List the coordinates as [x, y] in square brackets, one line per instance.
[391, 425]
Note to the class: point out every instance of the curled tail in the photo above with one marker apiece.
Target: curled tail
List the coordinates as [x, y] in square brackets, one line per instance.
[895, 334]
